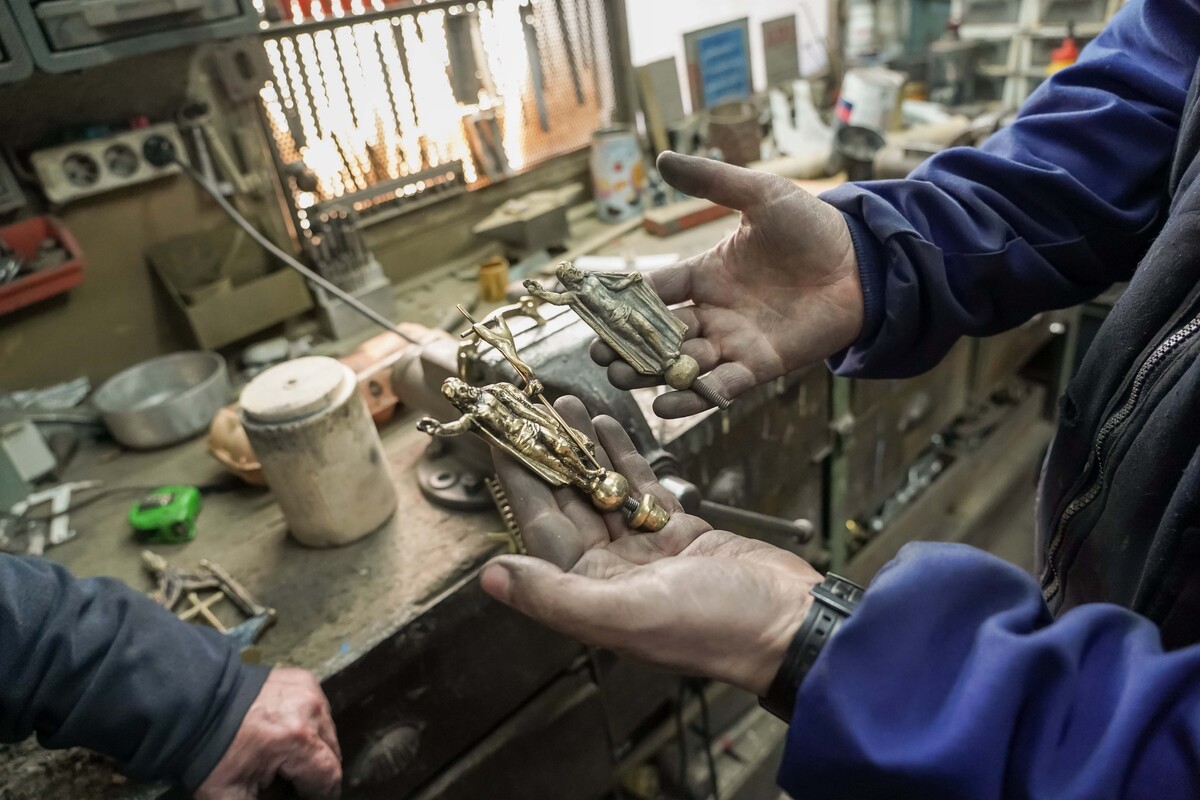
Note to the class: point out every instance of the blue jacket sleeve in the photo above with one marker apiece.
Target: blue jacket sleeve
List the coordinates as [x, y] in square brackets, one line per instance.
[951, 681]
[93, 663]
[1048, 213]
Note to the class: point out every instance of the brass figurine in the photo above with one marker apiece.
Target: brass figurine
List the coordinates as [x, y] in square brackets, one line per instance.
[503, 415]
[495, 331]
[554, 451]
[468, 349]
[536, 435]
[628, 317]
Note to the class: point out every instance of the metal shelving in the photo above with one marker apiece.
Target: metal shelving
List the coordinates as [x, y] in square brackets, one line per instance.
[15, 62]
[1018, 36]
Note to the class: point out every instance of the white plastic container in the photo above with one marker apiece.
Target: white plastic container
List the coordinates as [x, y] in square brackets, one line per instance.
[320, 452]
[870, 97]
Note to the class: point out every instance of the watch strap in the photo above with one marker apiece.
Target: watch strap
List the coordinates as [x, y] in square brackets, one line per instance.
[833, 603]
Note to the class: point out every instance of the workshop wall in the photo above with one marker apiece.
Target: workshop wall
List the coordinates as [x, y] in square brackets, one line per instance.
[118, 316]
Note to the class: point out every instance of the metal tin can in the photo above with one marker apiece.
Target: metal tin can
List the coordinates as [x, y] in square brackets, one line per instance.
[493, 279]
[618, 174]
[733, 128]
[320, 451]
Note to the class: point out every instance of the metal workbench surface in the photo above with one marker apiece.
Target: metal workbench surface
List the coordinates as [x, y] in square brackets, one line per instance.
[333, 604]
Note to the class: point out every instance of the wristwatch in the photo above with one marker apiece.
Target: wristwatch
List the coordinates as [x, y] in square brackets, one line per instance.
[833, 603]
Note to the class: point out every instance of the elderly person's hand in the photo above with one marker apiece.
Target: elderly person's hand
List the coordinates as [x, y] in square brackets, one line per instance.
[781, 292]
[287, 733]
[688, 597]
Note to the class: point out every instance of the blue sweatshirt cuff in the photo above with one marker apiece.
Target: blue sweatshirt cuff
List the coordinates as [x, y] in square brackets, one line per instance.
[872, 273]
[248, 679]
[872, 264]
[952, 680]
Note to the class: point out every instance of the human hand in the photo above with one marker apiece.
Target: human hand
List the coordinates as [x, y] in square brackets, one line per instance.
[780, 292]
[688, 598]
[533, 288]
[429, 425]
[287, 733]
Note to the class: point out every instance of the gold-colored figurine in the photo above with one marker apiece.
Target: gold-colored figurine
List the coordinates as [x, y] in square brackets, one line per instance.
[495, 331]
[627, 316]
[536, 435]
[504, 416]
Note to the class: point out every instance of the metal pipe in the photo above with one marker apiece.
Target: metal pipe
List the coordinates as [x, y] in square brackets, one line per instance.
[621, 61]
[723, 516]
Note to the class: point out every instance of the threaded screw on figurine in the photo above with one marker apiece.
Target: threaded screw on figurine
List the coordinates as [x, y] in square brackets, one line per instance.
[710, 394]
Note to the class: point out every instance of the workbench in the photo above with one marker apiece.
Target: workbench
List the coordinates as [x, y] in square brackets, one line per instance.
[333, 605]
[418, 663]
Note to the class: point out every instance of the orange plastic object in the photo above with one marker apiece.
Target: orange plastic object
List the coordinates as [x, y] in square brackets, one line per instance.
[228, 444]
[372, 362]
[25, 239]
[1064, 55]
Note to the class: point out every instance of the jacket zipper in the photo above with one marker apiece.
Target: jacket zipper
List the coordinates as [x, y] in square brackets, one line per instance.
[1050, 580]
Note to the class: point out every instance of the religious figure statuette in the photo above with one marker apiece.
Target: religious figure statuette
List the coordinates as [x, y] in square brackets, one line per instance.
[536, 435]
[631, 319]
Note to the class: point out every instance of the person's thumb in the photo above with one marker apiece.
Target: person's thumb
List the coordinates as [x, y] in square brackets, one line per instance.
[576, 605]
[724, 184]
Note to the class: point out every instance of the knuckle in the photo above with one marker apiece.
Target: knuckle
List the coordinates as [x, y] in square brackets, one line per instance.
[296, 733]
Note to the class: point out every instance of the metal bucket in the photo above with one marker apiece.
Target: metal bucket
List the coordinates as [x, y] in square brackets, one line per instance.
[856, 146]
[164, 400]
[733, 129]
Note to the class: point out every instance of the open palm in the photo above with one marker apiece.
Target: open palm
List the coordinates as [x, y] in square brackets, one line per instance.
[688, 597]
[778, 293]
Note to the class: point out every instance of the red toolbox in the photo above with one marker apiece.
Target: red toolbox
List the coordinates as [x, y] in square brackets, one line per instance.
[25, 238]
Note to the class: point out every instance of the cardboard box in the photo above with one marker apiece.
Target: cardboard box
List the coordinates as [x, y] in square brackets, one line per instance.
[226, 286]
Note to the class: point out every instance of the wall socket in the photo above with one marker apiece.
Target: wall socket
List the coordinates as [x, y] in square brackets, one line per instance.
[94, 166]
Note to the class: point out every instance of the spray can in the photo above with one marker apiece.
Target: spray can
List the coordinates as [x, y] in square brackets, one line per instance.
[618, 174]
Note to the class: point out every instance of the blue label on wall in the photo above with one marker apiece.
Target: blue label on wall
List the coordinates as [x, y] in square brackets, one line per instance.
[724, 66]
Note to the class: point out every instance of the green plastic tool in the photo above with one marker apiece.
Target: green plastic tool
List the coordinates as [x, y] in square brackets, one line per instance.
[167, 515]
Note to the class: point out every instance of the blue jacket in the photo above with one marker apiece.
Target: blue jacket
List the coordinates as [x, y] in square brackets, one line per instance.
[93, 663]
[954, 679]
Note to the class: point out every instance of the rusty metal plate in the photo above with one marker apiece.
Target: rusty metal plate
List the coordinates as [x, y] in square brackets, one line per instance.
[418, 700]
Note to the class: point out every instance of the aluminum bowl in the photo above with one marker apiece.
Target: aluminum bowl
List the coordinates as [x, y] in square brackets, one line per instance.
[164, 400]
